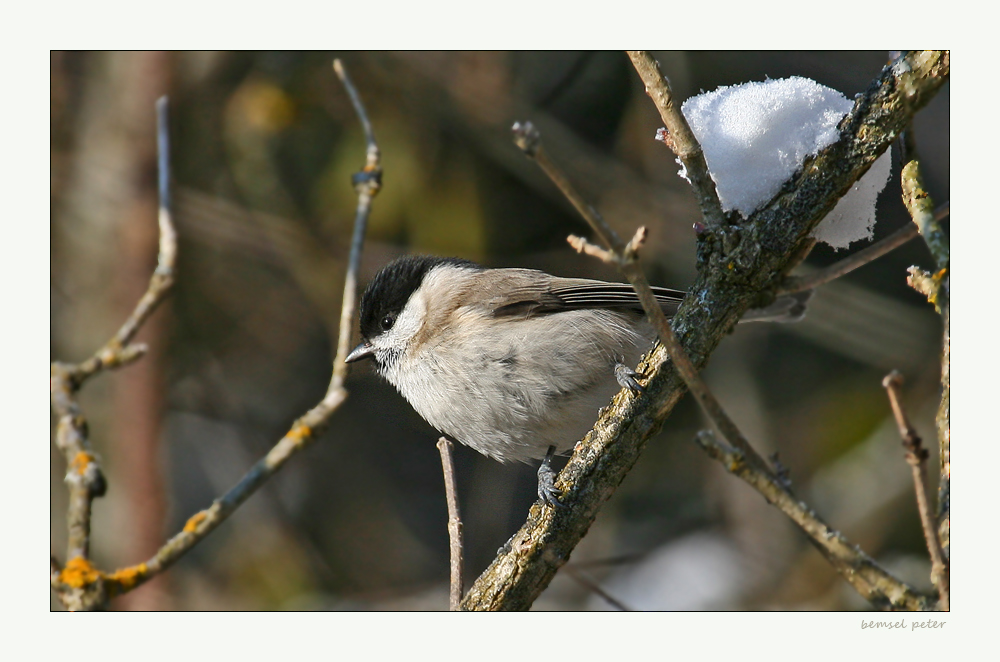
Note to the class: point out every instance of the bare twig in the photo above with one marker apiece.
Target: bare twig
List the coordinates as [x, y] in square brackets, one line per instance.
[921, 209]
[84, 477]
[367, 184]
[728, 283]
[860, 570]
[303, 432]
[937, 288]
[625, 256]
[847, 560]
[117, 351]
[454, 525]
[916, 457]
[679, 137]
[795, 284]
[307, 428]
[581, 578]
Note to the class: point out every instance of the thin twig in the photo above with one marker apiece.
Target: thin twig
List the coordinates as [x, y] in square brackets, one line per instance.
[724, 291]
[367, 184]
[937, 288]
[916, 457]
[625, 256]
[679, 137]
[303, 432]
[117, 351]
[84, 476]
[921, 209]
[454, 525]
[307, 428]
[588, 583]
[860, 570]
[795, 284]
[846, 560]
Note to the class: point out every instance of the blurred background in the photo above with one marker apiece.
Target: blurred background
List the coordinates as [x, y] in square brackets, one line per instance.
[264, 145]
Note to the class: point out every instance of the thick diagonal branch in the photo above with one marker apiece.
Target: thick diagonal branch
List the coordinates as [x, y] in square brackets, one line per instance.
[739, 457]
[727, 284]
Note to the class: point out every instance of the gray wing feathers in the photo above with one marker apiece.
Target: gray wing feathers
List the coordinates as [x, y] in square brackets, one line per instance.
[526, 292]
[520, 292]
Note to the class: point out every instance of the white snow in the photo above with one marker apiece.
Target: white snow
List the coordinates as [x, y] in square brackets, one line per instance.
[756, 135]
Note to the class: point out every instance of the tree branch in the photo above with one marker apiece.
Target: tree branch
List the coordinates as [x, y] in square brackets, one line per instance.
[679, 137]
[625, 257]
[584, 580]
[795, 284]
[860, 570]
[937, 288]
[916, 457]
[367, 184]
[84, 477]
[307, 428]
[80, 577]
[729, 280]
[875, 583]
[454, 525]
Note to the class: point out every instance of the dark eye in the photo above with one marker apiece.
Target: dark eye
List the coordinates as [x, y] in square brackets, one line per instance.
[387, 322]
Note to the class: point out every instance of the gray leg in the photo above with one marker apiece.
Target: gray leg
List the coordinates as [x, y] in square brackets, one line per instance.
[626, 378]
[547, 491]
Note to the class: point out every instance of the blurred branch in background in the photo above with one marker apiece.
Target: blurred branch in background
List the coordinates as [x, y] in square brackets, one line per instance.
[476, 101]
[80, 585]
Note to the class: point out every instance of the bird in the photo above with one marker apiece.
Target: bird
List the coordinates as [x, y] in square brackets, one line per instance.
[514, 363]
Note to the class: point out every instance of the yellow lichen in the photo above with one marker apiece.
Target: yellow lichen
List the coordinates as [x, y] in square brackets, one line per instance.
[79, 572]
[196, 519]
[81, 461]
[299, 432]
[121, 581]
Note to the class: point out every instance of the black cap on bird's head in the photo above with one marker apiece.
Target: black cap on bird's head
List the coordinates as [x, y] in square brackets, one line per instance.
[387, 294]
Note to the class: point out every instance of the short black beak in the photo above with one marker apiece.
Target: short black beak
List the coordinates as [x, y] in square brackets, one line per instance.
[363, 351]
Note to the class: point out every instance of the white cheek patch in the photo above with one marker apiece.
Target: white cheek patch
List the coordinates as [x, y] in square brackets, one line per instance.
[407, 324]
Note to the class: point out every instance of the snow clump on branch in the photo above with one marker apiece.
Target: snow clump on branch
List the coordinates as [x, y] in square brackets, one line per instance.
[756, 135]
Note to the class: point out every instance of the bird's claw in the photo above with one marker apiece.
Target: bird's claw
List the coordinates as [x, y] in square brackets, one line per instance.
[626, 378]
[547, 490]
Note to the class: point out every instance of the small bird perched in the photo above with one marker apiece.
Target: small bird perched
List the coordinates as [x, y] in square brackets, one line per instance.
[514, 363]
